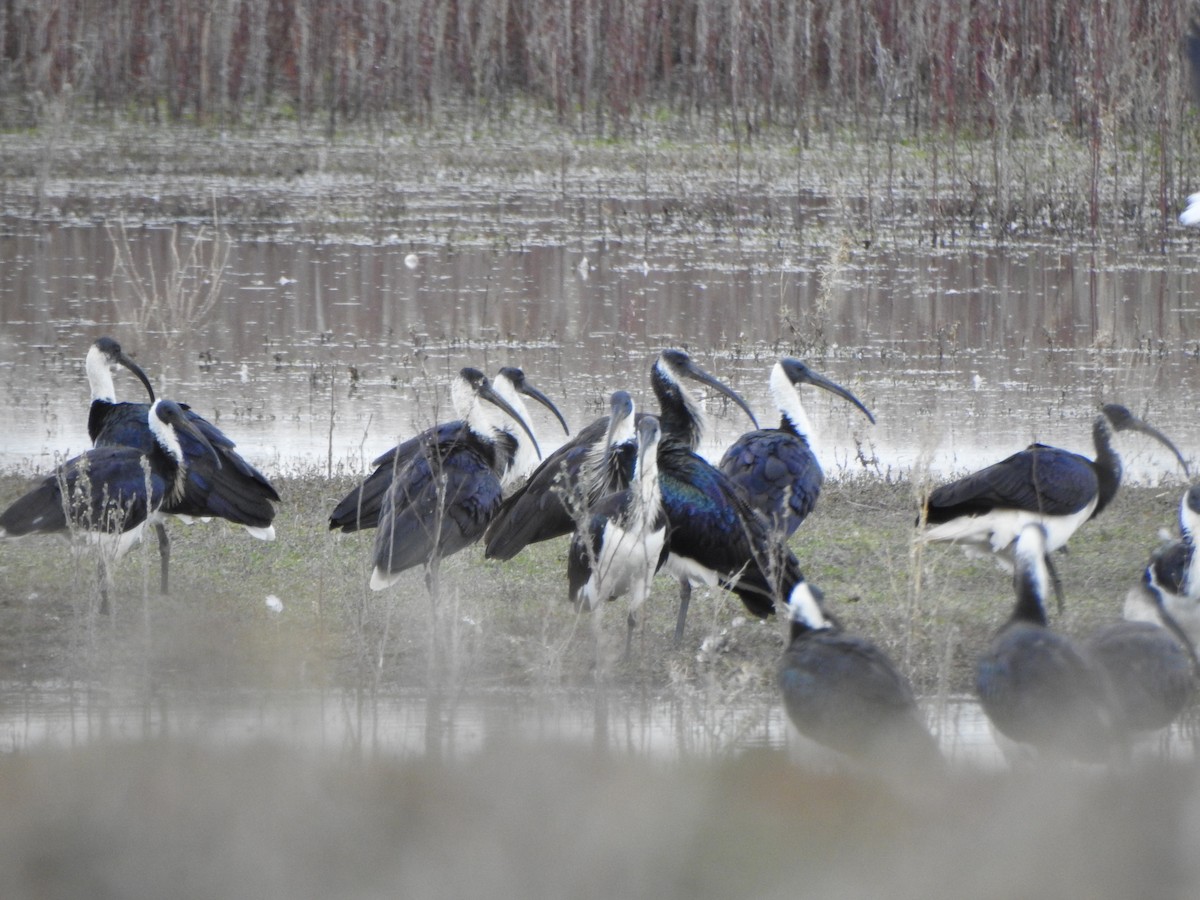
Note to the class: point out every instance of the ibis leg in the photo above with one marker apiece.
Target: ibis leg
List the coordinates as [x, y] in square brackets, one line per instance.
[685, 597]
[102, 572]
[1056, 581]
[164, 555]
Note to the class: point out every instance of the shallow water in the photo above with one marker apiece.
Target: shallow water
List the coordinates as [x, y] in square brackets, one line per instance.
[43, 717]
[324, 353]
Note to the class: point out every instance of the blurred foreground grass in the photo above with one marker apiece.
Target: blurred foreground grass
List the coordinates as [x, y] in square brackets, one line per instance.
[167, 819]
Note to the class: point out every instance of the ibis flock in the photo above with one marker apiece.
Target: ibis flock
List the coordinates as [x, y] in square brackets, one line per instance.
[637, 499]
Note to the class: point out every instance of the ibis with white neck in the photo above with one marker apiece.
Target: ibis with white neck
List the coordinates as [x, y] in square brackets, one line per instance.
[1037, 686]
[777, 467]
[443, 499]
[542, 508]
[844, 692]
[623, 542]
[360, 508]
[112, 491]
[219, 482]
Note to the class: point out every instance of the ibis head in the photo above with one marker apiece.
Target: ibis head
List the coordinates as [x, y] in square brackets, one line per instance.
[516, 377]
[799, 372]
[1122, 419]
[469, 388]
[103, 357]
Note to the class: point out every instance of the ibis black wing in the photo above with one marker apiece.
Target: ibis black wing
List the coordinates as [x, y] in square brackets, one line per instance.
[710, 523]
[360, 508]
[778, 473]
[107, 489]
[541, 508]
[437, 505]
[1040, 479]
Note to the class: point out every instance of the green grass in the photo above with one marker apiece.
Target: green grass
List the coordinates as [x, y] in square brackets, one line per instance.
[509, 625]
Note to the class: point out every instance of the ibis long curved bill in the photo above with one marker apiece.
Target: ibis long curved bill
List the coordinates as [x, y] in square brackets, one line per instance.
[521, 384]
[682, 363]
[1124, 420]
[107, 353]
[799, 372]
[484, 390]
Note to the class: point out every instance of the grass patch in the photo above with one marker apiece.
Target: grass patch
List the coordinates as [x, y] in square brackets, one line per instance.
[509, 625]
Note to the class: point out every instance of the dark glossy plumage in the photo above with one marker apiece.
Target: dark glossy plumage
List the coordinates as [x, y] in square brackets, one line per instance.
[779, 474]
[439, 503]
[361, 507]
[714, 537]
[1039, 478]
[443, 498]
[1039, 687]
[537, 512]
[842, 691]
[223, 486]
[577, 474]
[1054, 487]
[713, 528]
[776, 468]
[109, 489]
[624, 542]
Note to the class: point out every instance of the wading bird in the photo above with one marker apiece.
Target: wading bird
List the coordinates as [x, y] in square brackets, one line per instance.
[546, 506]
[111, 492]
[776, 467]
[360, 508]
[1039, 687]
[713, 536]
[219, 482]
[623, 542]
[1174, 570]
[842, 691]
[443, 499]
[596, 462]
[1149, 660]
[1055, 488]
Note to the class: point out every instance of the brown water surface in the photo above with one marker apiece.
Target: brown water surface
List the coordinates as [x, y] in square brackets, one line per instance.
[326, 352]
